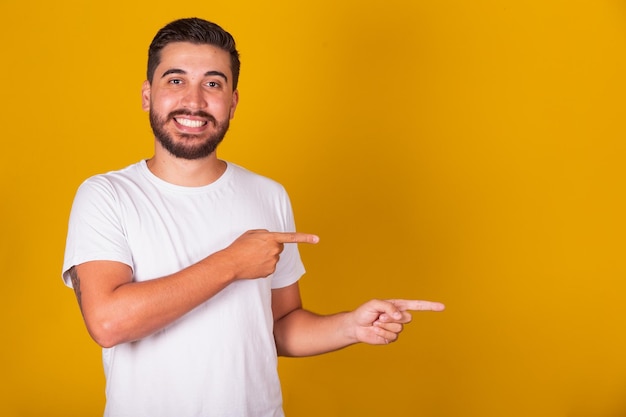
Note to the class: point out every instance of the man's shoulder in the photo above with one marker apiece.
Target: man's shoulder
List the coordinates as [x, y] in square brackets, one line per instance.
[130, 171]
[253, 178]
[112, 179]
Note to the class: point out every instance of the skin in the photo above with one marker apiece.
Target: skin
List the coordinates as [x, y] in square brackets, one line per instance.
[198, 80]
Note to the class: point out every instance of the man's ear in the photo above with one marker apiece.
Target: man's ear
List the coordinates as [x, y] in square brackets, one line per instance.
[233, 104]
[145, 95]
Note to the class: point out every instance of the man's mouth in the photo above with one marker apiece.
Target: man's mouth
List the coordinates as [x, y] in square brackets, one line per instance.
[189, 122]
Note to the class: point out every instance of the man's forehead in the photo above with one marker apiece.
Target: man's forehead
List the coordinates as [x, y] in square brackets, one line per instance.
[187, 57]
[194, 53]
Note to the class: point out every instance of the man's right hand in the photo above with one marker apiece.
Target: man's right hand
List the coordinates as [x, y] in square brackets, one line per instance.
[255, 253]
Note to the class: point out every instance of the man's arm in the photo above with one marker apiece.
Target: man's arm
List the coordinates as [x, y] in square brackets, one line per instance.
[116, 309]
[299, 332]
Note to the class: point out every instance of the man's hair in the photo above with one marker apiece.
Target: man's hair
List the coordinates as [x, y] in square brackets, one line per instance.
[197, 31]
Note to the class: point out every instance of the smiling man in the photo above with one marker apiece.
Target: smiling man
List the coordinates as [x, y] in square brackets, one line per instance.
[183, 65]
[186, 267]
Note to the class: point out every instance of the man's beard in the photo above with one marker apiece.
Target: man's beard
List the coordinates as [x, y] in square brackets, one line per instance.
[181, 149]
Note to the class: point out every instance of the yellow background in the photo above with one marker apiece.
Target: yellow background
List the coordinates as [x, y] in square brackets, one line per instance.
[470, 152]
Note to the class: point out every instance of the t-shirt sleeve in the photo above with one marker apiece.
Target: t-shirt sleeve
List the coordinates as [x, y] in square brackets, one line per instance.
[290, 267]
[95, 230]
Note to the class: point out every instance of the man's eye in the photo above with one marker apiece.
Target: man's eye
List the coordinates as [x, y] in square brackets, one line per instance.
[212, 84]
[176, 81]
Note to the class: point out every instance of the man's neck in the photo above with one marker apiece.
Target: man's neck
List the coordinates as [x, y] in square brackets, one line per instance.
[184, 172]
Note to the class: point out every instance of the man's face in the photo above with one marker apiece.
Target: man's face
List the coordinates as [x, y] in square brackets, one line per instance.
[191, 99]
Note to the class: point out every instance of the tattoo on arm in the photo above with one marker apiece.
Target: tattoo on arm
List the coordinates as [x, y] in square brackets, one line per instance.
[76, 285]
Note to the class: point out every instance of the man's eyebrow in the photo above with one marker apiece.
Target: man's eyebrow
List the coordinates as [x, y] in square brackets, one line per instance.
[173, 71]
[218, 73]
[183, 72]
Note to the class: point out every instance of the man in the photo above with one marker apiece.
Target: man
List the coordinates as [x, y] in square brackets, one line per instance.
[186, 267]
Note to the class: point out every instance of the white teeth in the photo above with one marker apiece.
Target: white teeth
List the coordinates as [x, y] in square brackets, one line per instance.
[190, 123]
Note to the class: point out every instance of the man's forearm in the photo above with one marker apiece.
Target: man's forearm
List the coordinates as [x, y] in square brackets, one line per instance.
[303, 333]
[134, 310]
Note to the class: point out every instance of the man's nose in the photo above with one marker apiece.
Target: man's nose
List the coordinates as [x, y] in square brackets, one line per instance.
[194, 98]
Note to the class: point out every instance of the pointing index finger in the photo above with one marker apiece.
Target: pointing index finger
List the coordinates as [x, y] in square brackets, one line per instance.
[418, 305]
[295, 237]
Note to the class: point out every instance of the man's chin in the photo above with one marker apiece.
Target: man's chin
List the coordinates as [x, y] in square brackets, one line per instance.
[185, 151]
[193, 137]
[190, 146]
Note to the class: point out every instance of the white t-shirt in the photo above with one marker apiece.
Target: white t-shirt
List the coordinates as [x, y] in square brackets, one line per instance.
[220, 358]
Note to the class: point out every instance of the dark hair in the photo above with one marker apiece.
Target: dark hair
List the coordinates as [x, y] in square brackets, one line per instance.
[196, 31]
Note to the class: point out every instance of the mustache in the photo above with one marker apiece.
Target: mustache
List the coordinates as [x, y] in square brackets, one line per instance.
[199, 113]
